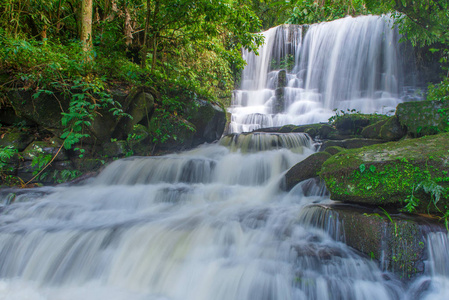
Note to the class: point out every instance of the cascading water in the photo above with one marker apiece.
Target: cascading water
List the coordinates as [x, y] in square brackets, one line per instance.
[207, 224]
[351, 63]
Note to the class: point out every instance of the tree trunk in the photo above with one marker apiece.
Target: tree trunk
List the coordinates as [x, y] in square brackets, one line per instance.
[86, 25]
[155, 35]
[145, 35]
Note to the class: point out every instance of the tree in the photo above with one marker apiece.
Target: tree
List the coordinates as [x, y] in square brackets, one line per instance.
[86, 25]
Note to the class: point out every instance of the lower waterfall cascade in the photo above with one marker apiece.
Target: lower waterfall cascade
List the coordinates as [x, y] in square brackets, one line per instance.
[212, 223]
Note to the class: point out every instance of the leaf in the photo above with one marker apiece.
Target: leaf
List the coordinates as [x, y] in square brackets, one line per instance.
[372, 168]
[362, 168]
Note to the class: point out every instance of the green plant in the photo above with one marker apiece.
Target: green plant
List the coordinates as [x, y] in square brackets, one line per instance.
[428, 186]
[6, 155]
[341, 113]
[168, 122]
[390, 219]
[40, 162]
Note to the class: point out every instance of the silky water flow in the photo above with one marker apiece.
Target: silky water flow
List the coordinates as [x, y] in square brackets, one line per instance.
[212, 223]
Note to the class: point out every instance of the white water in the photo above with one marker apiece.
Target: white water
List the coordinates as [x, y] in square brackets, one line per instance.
[158, 228]
[208, 224]
[351, 63]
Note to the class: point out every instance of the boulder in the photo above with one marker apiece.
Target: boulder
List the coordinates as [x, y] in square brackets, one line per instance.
[373, 131]
[351, 143]
[391, 130]
[140, 141]
[424, 117]
[389, 173]
[334, 150]
[105, 122]
[39, 149]
[44, 110]
[396, 241]
[318, 131]
[139, 105]
[17, 139]
[306, 169]
[9, 117]
[114, 149]
[209, 121]
[350, 124]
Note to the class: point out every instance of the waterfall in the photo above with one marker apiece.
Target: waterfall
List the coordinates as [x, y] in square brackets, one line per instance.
[350, 63]
[435, 285]
[213, 223]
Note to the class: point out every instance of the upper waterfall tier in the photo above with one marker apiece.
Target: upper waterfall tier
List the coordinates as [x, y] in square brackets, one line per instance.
[300, 78]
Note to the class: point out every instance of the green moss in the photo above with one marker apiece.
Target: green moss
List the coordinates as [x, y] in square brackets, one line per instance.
[424, 117]
[353, 123]
[334, 149]
[387, 173]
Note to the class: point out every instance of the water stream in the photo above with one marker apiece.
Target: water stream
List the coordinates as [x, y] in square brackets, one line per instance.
[207, 224]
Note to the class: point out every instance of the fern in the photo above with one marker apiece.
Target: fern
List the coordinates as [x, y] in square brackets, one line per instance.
[431, 187]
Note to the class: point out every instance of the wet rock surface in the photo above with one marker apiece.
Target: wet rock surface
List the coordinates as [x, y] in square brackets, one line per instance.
[396, 241]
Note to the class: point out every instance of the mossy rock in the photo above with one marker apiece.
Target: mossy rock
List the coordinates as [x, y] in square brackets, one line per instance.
[282, 79]
[387, 174]
[140, 140]
[88, 164]
[140, 106]
[351, 143]
[209, 121]
[396, 241]
[17, 139]
[319, 130]
[350, 124]
[9, 117]
[114, 149]
[391, 130]
[306, 169]
[44, 110]
[424, 117]
[334, 150]
[373, 131]
[39, 149]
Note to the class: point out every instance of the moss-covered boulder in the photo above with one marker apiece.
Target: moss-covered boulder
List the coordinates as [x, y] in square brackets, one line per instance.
[209, 121]
[424, 117]
[43, 109]
[139, 105]
[350, 124]
[351, 143]
[8, 117]
[306, 169]
[396, 241]
[388, 129]
[42, 150]
[319, 130]
[390, 173]
[334, 150]
[17, 139]
[114, 149]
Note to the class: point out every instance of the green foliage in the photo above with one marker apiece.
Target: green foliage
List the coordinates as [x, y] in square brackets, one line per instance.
[287, 63]
[339, 115]
[439, 91]
[168, 123]
[312, 11]
[6, 155]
